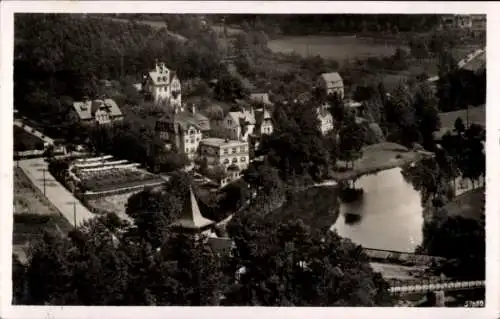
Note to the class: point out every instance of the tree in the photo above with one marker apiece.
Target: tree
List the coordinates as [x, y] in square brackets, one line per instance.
[191, 274]
[351, 141]
[153, 211]
[426, 115]
[18, 281]
[92, 268]
[459, 125]
[462, 241]
[290, 265]
[228, 88]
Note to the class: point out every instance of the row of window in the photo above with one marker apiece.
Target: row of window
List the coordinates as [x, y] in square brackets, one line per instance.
[235, 149]
[162, 78]
[235, 160]
[192, 140]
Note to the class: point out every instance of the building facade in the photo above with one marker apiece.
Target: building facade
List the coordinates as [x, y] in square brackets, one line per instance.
[181, 131]
[163, 86]
[263, 122]
[240, 125]
[325, 120]
[331, 83]
[224, 152]
[100, 112]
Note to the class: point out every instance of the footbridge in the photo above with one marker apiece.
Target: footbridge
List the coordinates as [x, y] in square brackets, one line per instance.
[401, 257]
[437, 286]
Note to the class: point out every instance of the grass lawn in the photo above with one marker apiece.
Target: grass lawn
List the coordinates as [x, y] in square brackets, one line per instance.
[33, 215]
[378, 157]
[467, 205]
[27, 199]
[113, 203]
[476, 115]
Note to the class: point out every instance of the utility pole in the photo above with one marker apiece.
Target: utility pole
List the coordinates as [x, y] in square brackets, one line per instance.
[44, 190]
[467, 116]
[74, 213]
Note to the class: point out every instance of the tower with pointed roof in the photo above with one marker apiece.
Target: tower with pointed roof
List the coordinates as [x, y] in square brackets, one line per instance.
[191, 220]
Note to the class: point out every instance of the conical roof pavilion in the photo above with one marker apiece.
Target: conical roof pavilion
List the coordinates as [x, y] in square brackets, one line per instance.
[191, 218]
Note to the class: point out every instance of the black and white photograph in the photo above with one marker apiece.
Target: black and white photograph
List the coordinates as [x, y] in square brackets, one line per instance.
[255, 159]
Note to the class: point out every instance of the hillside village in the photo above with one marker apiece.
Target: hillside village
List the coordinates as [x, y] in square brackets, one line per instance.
[186, 163]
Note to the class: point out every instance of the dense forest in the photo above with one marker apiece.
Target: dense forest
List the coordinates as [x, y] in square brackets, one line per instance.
[66, 55]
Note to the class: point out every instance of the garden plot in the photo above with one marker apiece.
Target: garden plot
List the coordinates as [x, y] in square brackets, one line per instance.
[108, 176]
[113, 203]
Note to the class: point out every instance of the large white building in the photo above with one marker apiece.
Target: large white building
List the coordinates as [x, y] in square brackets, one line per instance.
[163, 85]
[181, 130]
[331, 83]
[224, 152]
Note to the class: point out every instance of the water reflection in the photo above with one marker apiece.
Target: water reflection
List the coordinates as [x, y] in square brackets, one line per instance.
[388, 217]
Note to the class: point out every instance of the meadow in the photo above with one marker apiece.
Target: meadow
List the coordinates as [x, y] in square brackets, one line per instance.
[339, 48]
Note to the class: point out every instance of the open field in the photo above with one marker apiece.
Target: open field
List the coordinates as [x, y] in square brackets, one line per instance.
[33, 214]
[476, 115]
[467, 205]
[27, 199]
[379, 157]
[113, 203]
[338, 48]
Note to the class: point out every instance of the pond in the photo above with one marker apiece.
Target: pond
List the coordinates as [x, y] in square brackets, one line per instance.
[389, 216]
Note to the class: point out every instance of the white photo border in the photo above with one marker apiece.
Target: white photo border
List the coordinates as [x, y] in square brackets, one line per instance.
[8, 8]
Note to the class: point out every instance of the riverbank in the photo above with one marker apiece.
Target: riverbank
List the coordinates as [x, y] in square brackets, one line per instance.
[377, 158]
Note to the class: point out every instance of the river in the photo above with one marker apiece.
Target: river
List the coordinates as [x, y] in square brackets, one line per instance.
[390, 214]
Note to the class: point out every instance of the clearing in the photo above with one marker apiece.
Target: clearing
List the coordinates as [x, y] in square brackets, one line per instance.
[476, 115]
[467, 205]
[33, 214]
[113, 203]
[378, 157]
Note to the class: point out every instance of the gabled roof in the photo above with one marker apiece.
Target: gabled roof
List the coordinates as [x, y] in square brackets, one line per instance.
[184, 120]
[114, 110]
[242, 117]
[159, 76]
[332, 79]
[323, 113]
[191, 217]
[260, 98]
[87, 109]
[83, 109]
[262, 115]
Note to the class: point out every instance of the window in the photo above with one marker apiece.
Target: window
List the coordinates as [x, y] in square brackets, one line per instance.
[243, 159]
[226, 151]
[165, 78]
[159, 79]
[192, 140]
[226, 161]
[235, 160]
[187, 149]
[243, 149]
[234, 150]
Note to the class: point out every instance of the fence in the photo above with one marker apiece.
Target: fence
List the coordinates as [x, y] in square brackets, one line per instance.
[400, 256]
[457, 285]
